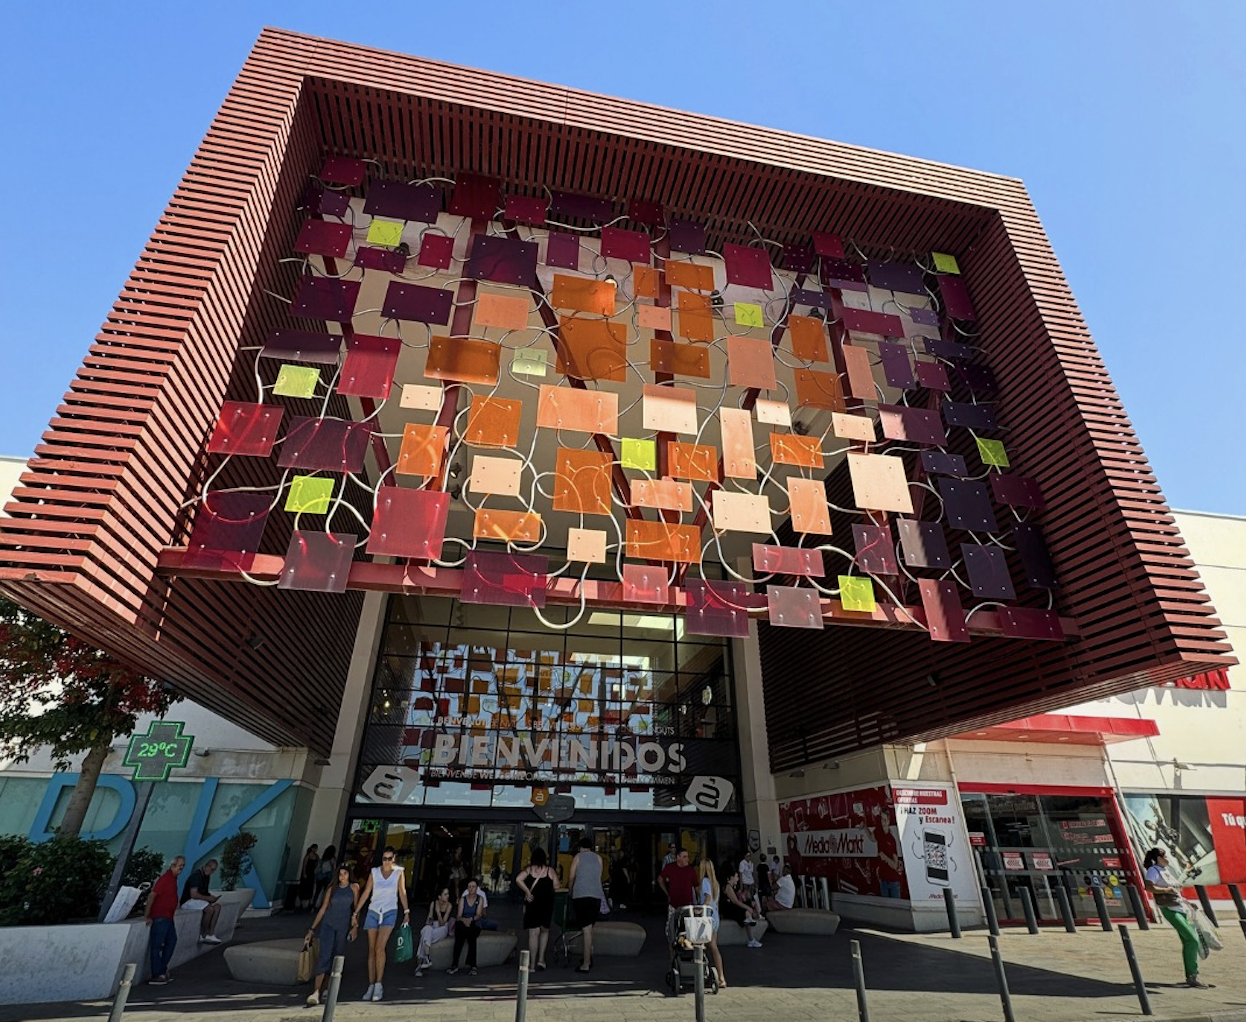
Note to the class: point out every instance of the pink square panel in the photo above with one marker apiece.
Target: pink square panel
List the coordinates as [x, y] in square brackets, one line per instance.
[646, 583]
[245, 428]
[368, 370]
[318, 561]
[786, 560]
[504, 579]
[408, 523]
[718, 608]
[227, 530]
[332, 445]
[793, 607]
[945, 617]
[748, 267]
[876, 553]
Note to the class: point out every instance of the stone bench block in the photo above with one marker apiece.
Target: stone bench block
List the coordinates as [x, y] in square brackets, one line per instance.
[265, 961]
[493, 947]
[732, 934]
[618, 939]
[804, 920]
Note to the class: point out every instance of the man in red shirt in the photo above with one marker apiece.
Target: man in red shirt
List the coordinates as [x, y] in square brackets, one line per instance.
[161, 906]
[678, 881]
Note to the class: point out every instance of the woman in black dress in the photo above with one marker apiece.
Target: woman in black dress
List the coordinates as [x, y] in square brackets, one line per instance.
[538, 883]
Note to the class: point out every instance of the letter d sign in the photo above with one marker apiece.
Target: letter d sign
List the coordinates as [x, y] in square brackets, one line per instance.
[710, 793]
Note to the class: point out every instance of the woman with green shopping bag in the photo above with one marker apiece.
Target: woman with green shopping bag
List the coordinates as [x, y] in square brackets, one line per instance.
[387, 891]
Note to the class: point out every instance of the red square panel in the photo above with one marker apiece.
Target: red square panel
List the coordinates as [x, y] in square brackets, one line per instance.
[333, 445]
[417, 303]
[408, 523]
[718, 608]
[646, 583]
[436, 251]
[325, 298]
[504, 579]
[945, 617]
[524, 210]
[617, 243]
[227, 530]
[562, 251]
[932, 376]
[1029, 623]
[343, 170]
[1019, 491]
[389, 260]
[318, 561]
[476, 196]
[401, 201]
[955, 296]
[748, 267]
[786, 560]
[368, 370]
[828, 245]
[244, 428]
[876, 553]
[319, 237]
[302, 346]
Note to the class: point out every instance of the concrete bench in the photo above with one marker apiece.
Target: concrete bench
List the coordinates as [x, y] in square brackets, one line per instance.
[804, 920]
[493, 947]
[265, 961]
[732, 934]
[618, 939]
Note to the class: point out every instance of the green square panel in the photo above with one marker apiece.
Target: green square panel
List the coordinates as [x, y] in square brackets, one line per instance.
[856, 593]
[992, 453]
[309, 495]
[296, 381]
[945, 263]
[530, 362]
[385, 232]
[748, 314]
[642, 454]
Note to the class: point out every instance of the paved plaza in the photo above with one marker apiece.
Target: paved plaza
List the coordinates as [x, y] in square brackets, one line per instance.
[1054, 977]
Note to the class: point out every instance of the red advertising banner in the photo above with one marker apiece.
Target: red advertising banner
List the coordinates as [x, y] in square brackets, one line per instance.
[1227, 819]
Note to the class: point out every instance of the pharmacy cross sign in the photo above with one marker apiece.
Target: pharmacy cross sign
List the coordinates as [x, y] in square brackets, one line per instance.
[163, 748]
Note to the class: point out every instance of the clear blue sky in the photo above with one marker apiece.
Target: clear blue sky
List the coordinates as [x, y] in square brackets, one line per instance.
[1124, 119]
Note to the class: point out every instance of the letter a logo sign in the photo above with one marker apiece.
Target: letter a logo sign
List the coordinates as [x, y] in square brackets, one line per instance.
[711, 794]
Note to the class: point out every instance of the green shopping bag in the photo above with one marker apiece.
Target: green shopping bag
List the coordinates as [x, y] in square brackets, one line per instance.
[404, 949]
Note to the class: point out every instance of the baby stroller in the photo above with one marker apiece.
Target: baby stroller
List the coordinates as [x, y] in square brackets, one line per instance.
[694, 927]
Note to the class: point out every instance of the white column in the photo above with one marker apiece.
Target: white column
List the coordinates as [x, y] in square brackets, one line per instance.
[761, 806]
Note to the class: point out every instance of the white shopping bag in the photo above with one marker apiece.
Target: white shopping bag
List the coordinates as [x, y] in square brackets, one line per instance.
[122, 905]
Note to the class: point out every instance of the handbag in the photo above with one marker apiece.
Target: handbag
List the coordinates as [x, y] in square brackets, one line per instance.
[404, 949]
[308, 958]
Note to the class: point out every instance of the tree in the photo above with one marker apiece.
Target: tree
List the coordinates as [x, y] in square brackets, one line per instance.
[60, 692]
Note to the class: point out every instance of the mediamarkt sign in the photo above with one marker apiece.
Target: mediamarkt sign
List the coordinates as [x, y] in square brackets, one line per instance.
[566, 753]
[853, 843]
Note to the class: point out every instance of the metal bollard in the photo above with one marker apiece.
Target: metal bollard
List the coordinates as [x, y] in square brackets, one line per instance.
[1101, 905]
[698, 980]
[521, 995]
[123, 992]
[858, 974]
[1235, 893]
[1001, 980]
[1135, 899]
[988, 902]
[949, 901]
[1027, 906]
[1205, 901]
[335, 984]
[1066, 909]
[826, 893]
[1139, 986]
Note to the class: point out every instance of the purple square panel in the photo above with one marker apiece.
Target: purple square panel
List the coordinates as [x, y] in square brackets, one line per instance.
[955, 296]
[787, 560]
[245, 428]
[987, 568]
[1017, 491]
[476, 197]
[330, 445]
[978, 378]
[828, 245]
[642, 211]
[633, 246]
[814, 299]
[302, 346]
[326, 298]
[1035, 558]
[903, 277]
[717, 608]
[408, 523]
[333, 204]
[310, 199]
[876, 553]
[923, 544]
[797, 258]
[843, 274]
[867, 322]
[687, 236]
[932, 376]
[369, 367]
[1029, 623]
[436, 251]
[524, 210]
[939, 463]
[319, 237]
[950, 350]
[793, 607]
[924, 317]
[228, 529]
[318, 562]
[389, 260]
[569, 206]
[562, 251]
[646, 583]
[503, 260]
[897, 369]
[967, 504]
[748, 267]
[343, 170]
[970, 416]
[945, 617]
[504, 580]
[417, 303]
[916, 425]
[398, 200]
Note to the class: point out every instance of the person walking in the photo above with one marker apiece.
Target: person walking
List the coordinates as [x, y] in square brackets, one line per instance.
[158, 915]
[197, 898]
[436, 927]
[471, 913]
[709, 894]
[326, 871]
[307, 877]
[337, 923]
[538, 883]
[1166, 891]
[587, 894]
[387, 891]
[678, 881]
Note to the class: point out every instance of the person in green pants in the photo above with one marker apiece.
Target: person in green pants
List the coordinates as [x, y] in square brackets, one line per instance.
[1167, 895]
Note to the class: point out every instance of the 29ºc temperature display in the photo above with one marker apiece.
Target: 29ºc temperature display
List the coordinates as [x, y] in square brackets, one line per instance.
[162, 749]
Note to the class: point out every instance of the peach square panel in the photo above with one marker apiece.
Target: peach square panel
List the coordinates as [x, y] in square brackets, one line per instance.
[493, 422]
[811, 514]
[584, 411]
[750, 363]
[592, 349]
[586, 546]
[422, 448]
[679, 359]
[853, 427]
[583, 294]
[663, 541]
[499, 476]
[420, 396]
[741, 512]
[663, 494]
[792, 449]
[669, 409]
[816, 389]
[653, 317]
[582, 481]
[808, 338]
[773, 413]
[695, 462]
[739, 454]
[501, 311]
[463, 360]
[694, 276]
[696, 318]
[507, 526]
[645, 281]
[860, 375]
[879, 483]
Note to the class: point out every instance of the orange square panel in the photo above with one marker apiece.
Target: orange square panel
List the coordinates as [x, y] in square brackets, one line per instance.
[860, 375]
[498, 476]
[739, 456]
[696, 320]
[645, 281]
[493, 422]
[696, 462]
[693, 276]
[853, 427]
[879, 483]
[663, 541]
[501, 311]
[679, 359]
[741, 512]
[592, 349]
[586, 546]
[653, 317]
[750, 363]
[792, 449]
[669, 409]
[663, 494]
[584, 411]
[808, 338]
[582, 294]
[816, 389]
[582, 481]
[422, 447]
[463, 360]
[810, 512]
[507, 526]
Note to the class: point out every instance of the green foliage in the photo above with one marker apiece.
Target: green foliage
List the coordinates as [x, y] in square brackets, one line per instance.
[236, 859]
[143, 868]
[52, 882]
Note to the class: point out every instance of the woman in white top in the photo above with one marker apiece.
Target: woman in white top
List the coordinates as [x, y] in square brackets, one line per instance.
[1167, 894]
[387, 891]
[709, 898]
[436, 927]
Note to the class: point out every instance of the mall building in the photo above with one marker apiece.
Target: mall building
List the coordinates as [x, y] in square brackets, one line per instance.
[536, 463]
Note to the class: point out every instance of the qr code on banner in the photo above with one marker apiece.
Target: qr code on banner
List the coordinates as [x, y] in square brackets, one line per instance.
[936, 855]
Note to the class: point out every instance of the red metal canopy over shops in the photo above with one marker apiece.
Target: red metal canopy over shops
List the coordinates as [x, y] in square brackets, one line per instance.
[1065, 727]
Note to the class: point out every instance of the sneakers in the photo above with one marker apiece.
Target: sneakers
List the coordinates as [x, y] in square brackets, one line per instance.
[377, 992]
[754, 943]
[158, 981]
[209, 938]
[419, 971]
[313, 998]
[472, 971]
[451, 972]
[426, 963]
[367, 994]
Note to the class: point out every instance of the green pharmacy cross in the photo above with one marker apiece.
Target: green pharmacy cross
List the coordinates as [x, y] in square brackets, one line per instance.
[162, 749]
